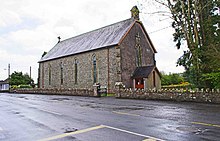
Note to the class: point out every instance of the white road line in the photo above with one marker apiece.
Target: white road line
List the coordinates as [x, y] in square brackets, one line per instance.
[51, 112]
[206, 124]
[133, 133]
[149, 140]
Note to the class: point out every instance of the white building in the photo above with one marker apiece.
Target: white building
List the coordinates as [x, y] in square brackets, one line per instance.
[4, 85]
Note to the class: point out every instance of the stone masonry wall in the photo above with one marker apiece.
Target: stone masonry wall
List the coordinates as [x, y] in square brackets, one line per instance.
[173, 95]
[74, 92]
[128, 53]
[106, 70]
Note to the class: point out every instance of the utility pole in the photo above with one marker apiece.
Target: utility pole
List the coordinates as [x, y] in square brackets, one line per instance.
[9, 76]
[30, 71]
[9, 71]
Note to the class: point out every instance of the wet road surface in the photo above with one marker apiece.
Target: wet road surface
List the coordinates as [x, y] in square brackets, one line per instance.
[70, 118]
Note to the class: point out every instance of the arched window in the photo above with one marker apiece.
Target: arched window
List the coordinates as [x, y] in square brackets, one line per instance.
[49, 74]
[94, 69]
[139, 56]
[61, 73]
[138, 50]
[76, 70]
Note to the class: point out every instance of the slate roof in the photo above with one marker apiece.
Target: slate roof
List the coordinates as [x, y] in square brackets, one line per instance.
[100, 38]
[6, 81]
[143, 72]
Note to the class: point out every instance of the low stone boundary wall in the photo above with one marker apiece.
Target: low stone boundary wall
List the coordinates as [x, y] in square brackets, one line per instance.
[4, 91]
[187, 96]
[74, 92]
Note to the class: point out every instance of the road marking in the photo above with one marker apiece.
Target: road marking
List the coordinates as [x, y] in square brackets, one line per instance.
[72, 133]
[51, 112]
[206, 124]
[133, 133]
[122, 113]
[149, 140]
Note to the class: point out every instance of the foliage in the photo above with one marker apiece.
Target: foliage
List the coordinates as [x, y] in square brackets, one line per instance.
[25, 86]
[181, 85]
[213, 79]
[175, 78]
[13, 86]
[110, 94]
[18, 78]
[196, 23]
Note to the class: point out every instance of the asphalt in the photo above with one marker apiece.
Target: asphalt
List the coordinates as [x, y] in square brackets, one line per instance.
[25, 117]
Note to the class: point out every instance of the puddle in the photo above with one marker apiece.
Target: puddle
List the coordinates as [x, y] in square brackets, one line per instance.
[129, 108]
[192, 130]
[60, 99]
[69, 130]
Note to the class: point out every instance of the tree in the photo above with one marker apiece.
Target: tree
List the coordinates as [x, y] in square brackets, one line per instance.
[18, 78]
[174, 78]
[196, 23]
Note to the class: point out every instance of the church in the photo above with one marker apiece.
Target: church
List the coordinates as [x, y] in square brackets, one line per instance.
[120, 52]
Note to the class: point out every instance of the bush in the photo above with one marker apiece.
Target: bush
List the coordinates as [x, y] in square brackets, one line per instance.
[24, 86]
[14, 87]
[181, 85]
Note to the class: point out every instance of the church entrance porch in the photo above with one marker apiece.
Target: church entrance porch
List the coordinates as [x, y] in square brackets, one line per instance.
[139, 83]
[145, 77]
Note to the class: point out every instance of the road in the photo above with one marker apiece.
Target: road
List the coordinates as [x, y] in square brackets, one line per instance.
[25, 117]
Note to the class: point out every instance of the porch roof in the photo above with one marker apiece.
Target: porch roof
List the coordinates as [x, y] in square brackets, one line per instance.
[143, 72]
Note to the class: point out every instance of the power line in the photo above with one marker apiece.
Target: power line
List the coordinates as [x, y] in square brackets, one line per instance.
[159, 29]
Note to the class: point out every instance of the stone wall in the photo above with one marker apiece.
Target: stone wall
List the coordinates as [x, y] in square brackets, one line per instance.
[172, 95]
[129, 55]
[54, 91]
[106, 70]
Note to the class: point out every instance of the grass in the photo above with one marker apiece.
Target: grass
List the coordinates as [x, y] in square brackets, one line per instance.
[108, 95]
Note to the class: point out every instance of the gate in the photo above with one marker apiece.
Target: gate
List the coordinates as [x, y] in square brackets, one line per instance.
[102, 91]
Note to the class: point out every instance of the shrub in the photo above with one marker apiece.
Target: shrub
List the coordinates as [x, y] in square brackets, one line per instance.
[24, 86]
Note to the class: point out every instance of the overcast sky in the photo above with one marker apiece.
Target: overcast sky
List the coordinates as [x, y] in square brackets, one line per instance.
[30, 27]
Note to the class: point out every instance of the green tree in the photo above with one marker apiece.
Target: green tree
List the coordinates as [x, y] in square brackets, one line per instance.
[169, 79]
[197, 23]
[18, 78]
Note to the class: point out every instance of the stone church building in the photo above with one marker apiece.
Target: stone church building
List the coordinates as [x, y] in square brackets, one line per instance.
[120, 52]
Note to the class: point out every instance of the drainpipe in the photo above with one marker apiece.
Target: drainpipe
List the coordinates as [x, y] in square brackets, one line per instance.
[134, 83]
[108, 71]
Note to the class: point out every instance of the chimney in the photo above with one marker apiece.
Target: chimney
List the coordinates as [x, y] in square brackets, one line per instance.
[135, 12]
[58, 39]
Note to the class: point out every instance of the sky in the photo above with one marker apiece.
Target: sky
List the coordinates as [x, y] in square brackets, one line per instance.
[30, 27]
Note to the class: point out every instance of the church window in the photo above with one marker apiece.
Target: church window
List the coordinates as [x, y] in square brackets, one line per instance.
[138, 51]
[49, 74]
[94, 69]
[148, 61]
[76, 70]
[61, 73]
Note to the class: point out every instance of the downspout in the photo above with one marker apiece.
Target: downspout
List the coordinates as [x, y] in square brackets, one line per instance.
[42, 75]
[108, 71]
[38, 79]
